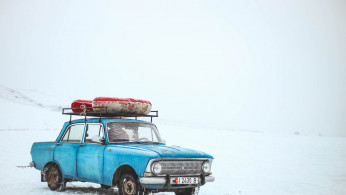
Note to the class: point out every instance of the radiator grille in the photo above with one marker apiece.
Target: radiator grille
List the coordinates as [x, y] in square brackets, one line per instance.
[181, 167]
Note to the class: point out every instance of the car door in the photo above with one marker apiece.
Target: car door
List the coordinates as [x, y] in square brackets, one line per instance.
[65, 152]
[90, 154]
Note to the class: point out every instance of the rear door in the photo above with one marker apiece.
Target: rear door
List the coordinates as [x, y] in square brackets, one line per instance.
[90, 154]
[65, 152]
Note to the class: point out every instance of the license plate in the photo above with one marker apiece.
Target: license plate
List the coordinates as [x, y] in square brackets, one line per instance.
[186, 180]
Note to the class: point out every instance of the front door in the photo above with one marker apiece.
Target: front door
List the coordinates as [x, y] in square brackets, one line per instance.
[66, 150]
[90, 154]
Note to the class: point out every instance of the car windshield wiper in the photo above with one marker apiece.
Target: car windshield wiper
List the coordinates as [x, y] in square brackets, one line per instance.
[147, 142]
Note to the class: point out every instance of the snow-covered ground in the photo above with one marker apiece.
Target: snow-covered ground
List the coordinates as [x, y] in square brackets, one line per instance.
[245, 162]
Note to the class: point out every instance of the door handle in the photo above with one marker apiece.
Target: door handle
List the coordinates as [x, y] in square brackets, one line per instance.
[58, 144]
[81, 144]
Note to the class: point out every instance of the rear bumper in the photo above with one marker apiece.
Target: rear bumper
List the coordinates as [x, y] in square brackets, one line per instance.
[164, 180]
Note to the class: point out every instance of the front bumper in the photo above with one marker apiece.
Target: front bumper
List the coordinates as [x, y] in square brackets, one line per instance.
[170, 180]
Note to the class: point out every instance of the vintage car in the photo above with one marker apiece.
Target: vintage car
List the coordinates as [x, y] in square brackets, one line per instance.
[122, 152]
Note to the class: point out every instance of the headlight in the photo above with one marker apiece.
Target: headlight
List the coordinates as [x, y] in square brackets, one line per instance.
[156, 168]
[206, 167]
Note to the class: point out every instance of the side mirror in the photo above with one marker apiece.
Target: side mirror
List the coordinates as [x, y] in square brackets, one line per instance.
[97, 139]
[164, 141]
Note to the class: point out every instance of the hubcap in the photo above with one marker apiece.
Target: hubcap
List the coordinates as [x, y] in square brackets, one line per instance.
[128, 187]
[53, 177]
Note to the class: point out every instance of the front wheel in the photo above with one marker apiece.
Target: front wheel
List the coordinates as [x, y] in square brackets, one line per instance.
[54, 178]
[128, 185]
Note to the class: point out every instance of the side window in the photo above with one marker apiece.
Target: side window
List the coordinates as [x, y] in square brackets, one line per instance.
[93, 130]
[146, 132]
[74, 133]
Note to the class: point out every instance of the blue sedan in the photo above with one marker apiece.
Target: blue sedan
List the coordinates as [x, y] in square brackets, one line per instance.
[129, 154]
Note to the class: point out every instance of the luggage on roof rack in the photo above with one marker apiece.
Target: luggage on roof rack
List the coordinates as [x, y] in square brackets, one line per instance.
[121, 105]
[113, 105]
[81, 104]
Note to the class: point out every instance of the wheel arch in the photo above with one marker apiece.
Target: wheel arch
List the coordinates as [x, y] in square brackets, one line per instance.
[122, 170]
[46, 167]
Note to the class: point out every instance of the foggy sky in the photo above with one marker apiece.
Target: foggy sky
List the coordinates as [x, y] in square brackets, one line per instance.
[272, 66]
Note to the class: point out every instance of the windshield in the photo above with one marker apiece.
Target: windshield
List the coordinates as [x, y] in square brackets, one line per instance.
[132, 132]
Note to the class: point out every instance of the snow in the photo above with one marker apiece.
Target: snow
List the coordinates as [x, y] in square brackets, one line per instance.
[35, 111]
[245, 162]
[252, 163]
[259, 163]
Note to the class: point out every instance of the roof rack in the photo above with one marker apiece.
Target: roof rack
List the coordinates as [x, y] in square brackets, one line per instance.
[84, 112]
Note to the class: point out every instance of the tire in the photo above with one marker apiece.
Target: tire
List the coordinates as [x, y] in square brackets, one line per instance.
[188, 191]
[128, 185]
[54, 178]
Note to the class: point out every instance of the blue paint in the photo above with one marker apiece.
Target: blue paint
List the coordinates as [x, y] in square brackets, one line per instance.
[169, 152]
[65, 154]
[90, 162]
[42, 153]
[117, 155]
[98, 162]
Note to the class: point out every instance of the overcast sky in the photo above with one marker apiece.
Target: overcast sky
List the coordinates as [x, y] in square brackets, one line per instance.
[272, 66]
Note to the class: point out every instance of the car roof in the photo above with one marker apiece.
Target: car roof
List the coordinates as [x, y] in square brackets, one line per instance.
[105, 120]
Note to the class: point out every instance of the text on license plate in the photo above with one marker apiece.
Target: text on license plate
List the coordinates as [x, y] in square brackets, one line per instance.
[186, 180]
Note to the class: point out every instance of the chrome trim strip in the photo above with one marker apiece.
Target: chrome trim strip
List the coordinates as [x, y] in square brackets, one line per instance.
[148, 168]
[162, 180]
[209, 179]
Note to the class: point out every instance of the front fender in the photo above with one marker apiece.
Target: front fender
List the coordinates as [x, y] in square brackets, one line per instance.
[117, 155]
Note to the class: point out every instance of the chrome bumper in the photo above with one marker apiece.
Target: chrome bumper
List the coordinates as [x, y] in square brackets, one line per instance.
[162, 180]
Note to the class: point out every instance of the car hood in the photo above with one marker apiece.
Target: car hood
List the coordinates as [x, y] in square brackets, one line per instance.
[170, 151]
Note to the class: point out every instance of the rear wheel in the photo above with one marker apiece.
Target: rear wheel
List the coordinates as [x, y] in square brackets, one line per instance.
[128, 185]
[54, 178]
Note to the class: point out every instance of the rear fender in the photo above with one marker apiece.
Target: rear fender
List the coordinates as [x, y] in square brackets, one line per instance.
[42, 153]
